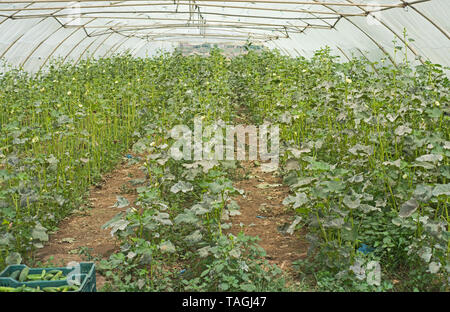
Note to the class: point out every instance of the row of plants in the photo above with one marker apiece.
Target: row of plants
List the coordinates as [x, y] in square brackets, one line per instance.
[61, 130]
[176, 236]
[365, 151]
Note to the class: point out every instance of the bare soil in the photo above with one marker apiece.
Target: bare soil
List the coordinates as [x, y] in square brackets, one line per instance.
[263, 215]
[83, 229]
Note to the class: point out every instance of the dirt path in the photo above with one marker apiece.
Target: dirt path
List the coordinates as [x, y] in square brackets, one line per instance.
[263, 215]
[83, 230]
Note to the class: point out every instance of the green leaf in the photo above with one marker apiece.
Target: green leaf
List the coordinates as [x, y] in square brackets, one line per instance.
[319, 166]
[248, 287]
[334, 186]
[224, 286]
[434, 112]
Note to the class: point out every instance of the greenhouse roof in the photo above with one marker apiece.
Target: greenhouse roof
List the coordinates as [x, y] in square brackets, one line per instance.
[34, 32]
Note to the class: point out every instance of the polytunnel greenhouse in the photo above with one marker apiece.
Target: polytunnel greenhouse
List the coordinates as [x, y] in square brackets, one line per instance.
[224, 146]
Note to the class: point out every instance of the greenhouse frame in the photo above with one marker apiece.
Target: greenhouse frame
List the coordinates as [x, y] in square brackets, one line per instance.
[225, 147]
[73, 30]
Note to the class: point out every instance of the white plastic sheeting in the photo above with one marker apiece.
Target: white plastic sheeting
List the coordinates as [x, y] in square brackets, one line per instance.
[32, 33]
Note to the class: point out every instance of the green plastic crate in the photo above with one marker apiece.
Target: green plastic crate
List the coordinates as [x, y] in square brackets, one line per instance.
[86, 275]
[83, 287]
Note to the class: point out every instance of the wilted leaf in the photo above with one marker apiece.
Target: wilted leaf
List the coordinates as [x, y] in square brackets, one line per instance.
[118, 225]
[186, 217]
[234, 213]
[113, 220]
[137, 181]
[267, 185]
[397, 163]
[292, 164]
[425, 254]
[235, 253]
[441, 189]
[368, 208]
[39, 233]
[181, 186]
[13, 258]
[167, 246]
[121, 202]
[361, 149]
[302, 182]
[350, 203]
[290, 230]
[298, 200]
[359, 271]
[199, 210]
[373, 270]
[163, 218]
[408, 208]
[402, 130]
[140, 283]
[226, 226]
[269, 167]
[434, 267]
[194, 237]
[422, 192]
[68, 240]
[433, 158]
[204, 252]
[297, 152]
[7, 239]
[233, 205]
